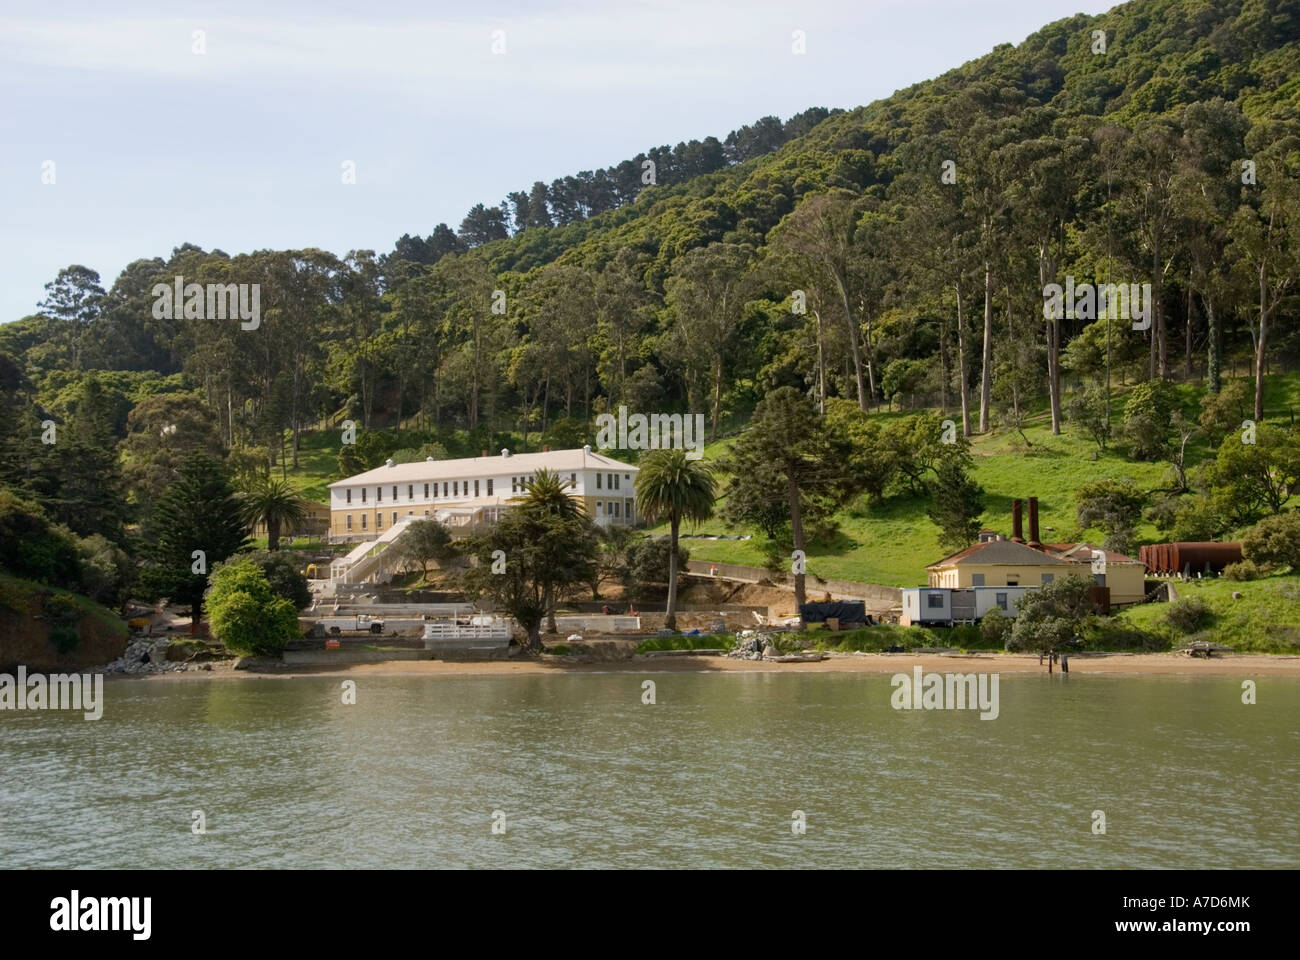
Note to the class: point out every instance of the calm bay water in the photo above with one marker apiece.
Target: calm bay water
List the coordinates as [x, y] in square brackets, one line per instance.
[709, 776]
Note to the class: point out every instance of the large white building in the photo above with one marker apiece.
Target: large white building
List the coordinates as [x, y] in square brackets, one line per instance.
[475, 489]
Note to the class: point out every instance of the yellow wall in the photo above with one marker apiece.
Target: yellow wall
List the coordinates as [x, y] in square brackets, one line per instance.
[1126, 580]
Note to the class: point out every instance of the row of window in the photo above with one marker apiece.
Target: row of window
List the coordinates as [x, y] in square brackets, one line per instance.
[977, 580]
[613, 509]
[379, 519]
[452, 488]
[611, 480]
[935, 601]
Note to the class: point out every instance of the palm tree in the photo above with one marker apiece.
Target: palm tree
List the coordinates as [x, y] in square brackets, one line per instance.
[671, 486]
[275, 503]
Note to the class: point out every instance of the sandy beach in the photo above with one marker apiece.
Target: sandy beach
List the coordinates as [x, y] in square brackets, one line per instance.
[1115, 664]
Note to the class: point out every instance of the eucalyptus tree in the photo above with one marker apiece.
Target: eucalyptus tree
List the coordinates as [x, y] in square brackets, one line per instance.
[819, 236]
[1207, 190]
[1266, 231]
[705, 296]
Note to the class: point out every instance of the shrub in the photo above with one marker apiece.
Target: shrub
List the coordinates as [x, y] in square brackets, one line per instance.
[1243, 570]
[1148, 418]
[995, 628]
[63, 614]
[559, 650]
[245, 612]
[1274, 540]
[1188, 615]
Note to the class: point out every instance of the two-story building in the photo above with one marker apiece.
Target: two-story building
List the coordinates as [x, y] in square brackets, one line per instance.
[476, 489]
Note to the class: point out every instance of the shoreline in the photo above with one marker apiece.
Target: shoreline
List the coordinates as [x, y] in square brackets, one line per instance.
[1113, 664]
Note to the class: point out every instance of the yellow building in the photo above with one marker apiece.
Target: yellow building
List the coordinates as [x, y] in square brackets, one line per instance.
[1005, 563]
[999, 562]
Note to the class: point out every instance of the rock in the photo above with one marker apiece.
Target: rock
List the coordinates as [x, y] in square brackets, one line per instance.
[1237, 595]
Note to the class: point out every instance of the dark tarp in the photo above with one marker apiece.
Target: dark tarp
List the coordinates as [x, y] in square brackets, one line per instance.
[846, 611]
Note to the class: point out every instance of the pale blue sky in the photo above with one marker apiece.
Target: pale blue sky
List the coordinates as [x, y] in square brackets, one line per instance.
[241, 148]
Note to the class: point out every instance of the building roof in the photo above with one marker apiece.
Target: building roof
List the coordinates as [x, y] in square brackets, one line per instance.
[561, 461]
[1010, 553]
[998, 551]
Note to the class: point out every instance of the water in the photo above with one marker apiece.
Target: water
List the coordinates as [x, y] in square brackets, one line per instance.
[709, 776]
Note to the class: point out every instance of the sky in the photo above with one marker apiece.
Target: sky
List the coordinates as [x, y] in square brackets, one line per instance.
[242, 147]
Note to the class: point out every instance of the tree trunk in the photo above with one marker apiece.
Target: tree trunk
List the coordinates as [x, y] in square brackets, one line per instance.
[1259, 347]
[272, 533]
[670, 621]
[961, 368]
[1212, 360]
[853, 340]
[796, 531]
[986, 358]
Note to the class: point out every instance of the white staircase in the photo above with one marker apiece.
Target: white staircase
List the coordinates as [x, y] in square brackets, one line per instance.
[369, 561]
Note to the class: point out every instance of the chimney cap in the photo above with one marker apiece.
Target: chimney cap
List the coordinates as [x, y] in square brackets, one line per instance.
[388, 463]
[505, 452]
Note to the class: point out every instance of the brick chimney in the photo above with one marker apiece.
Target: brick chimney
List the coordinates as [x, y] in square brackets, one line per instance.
[1033, 524]
[485, 453]
[546, 448]
[1017, 528]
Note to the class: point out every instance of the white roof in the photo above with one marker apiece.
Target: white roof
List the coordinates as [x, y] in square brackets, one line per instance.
[561, 461]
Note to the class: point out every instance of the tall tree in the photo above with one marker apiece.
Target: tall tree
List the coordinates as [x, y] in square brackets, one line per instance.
[670, 486]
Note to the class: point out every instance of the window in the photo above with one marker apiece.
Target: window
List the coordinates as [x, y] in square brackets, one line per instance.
[1048, 578]
[379, 494]
[426, 513]
[394, 491]
[426, 491]
[476, 488]
[1100, 578]
[363, 521]
[349, 521]
[598, 481]
[615, 505]
[1002, 601]
[394, 517]
[410, 491]
[598, 504]
[489, 486]
[349, 492]
[934, 601]
[455, 488]
[379, 520]
[977, 579]
[1013, 583]
[363, 494]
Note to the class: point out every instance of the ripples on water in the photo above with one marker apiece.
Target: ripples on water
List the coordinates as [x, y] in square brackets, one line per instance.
[588, 776]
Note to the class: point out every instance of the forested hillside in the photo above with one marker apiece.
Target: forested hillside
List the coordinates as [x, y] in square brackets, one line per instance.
[877, 261]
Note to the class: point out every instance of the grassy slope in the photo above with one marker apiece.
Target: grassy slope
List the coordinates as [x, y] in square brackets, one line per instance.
[16, 593]
[891, 543]
[1265, 619]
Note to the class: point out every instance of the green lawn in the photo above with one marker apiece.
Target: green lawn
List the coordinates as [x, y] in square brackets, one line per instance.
[1265, 620]
[891, 543]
